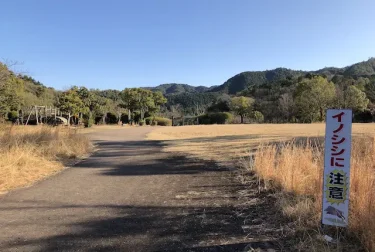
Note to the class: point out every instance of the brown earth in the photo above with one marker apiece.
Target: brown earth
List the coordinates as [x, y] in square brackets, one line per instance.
[132, 196]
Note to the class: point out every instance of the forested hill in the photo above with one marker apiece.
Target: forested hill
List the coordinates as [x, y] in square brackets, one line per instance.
[176, 88]
[248, 79]
[365, 68]
[245, 80]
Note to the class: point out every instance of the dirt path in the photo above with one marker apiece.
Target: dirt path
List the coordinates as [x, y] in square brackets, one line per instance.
[129, 196]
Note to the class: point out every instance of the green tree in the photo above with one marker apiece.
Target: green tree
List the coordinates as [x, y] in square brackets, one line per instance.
[145, 101]
[129, 98]
[242, 106]
[370, 90]
[354, 99]
[159, 100]
[11, 91]
[71, 103]
[142, 100]
[313, 96]
[257, 116]
[221, 104]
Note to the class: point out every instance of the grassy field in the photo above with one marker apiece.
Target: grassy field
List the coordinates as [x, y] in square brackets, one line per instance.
[289, 157]
[226, 143]
[31, 153]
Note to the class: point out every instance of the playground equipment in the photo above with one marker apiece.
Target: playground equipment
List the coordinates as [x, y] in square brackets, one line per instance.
[42, 115]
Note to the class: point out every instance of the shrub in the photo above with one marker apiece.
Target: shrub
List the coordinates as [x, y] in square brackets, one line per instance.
[12, 115]
[89, 122]
[98, 120]
[257, 116]
[136, 117]
[125, 118]
[147, 114]
[148, 120]
[158, 121]
[216, 118]
[204, 119]
[221, 117]
[141, 122]
[111, 118]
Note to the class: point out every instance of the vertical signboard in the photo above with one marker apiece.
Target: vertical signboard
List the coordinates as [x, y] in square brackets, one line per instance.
[336, 176]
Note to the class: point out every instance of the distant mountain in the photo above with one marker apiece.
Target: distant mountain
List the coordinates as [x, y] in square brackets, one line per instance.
[244, 80]
[365, 68]
[331, 71]
[175, 88]
[248, 79]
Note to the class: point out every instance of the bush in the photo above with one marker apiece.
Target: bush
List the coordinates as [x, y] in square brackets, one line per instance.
[12, 115]
[136, 117]
[163, 121]
[125, 118]
[363, 116]
[141, 122]
[216, 118]
[89, 122]
[148, 120]
[158, 121]
[204, 119]
[111, 118]
[221, 117]
[98, 120]
[257, 116]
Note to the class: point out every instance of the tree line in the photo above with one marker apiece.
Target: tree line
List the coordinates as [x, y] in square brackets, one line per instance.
[301, 98]
[79, 104]
[305, 99]
[94, 106]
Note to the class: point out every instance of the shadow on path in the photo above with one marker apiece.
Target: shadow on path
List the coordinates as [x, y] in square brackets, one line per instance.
[132, 196]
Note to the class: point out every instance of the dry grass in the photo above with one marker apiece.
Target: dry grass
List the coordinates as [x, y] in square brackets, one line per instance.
[228, 143]
[298, 169]
[28, 154]
[289, 157]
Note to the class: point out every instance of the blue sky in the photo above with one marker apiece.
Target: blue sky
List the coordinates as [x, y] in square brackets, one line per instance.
[120, 43]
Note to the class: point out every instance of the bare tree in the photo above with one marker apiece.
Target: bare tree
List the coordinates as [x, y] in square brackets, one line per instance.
[286, 105]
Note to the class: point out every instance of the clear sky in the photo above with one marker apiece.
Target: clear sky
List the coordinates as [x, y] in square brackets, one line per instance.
[120, 43]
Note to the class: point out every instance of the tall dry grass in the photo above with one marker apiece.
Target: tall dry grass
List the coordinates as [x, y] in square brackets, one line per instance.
[297, 169]
[28, 154]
